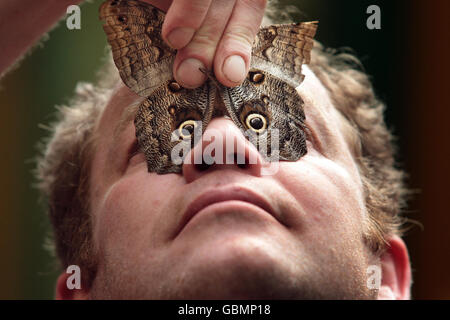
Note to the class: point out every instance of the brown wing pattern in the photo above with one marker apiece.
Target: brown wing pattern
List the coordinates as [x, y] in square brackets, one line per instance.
[159, 118]
[283, 49]
[133, 30]
[278, 103]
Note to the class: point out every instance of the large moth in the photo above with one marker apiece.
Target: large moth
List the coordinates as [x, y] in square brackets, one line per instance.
[264, 102]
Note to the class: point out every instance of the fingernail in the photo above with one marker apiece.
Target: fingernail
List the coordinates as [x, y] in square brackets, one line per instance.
[234, 69]
[180, 37]
[189, 74]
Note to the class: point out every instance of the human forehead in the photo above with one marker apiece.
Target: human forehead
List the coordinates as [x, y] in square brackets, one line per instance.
[315, 95]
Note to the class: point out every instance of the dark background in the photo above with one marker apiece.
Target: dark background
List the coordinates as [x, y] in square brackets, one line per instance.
[407, 60]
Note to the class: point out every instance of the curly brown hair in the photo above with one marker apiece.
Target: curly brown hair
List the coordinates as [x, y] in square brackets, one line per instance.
[371, 143]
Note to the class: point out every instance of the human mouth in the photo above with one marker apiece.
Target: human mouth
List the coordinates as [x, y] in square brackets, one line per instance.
[214, 196]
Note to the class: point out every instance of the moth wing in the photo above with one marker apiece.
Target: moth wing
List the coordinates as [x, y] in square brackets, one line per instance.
[159, 117]
[282, 107]
[283, 49]
[133, 30]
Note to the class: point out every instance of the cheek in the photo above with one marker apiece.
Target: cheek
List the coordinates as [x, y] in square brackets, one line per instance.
[130, 212]
[330, 197]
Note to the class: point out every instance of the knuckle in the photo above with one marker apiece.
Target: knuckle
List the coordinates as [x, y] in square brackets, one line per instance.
[197, 5]
[197, 11]
[208, 35]
[255, 4]
[196, 8]
[240, 34]
[204, 40]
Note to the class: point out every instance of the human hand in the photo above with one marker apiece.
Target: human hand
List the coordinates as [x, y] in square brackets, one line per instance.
[211, 34]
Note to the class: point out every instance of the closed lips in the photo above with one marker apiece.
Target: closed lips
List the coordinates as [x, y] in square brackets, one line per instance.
[220, 195]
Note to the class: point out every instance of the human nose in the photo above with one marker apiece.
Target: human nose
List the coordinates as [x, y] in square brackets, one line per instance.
[222, 146]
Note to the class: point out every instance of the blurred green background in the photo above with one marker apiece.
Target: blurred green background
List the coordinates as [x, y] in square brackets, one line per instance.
[406, 60]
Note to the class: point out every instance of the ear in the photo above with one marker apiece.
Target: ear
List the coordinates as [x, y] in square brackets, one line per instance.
[66, 291]
[396, 271]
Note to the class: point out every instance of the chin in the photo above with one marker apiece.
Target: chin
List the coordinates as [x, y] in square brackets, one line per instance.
[251, 266]
[245, 267]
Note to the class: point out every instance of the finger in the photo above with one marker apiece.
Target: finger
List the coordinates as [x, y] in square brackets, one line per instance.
[232, 59]
[199, 53]
[160, 4]
[182, 20]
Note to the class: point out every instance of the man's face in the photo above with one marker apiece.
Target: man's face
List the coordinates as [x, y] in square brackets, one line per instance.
[229, 231]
